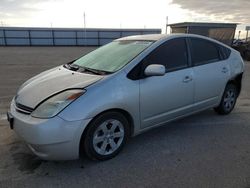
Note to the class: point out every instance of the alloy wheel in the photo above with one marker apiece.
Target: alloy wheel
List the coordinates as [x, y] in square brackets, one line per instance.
[108, 137]
[229, 100]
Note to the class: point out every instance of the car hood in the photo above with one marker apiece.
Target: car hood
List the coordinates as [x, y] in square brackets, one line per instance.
[38, 88]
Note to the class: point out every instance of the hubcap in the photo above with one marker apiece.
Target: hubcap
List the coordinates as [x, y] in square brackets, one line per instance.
[229, 100]
[108, 137]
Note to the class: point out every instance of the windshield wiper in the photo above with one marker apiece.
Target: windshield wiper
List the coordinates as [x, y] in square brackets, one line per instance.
[71, 66]
[75, 67]
[95, 71]
[91, 70]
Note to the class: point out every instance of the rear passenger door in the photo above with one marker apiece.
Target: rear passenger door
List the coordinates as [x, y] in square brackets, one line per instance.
[211, 72]
[163, 98]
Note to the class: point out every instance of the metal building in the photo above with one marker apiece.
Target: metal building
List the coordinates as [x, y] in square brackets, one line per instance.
[223, 32]
[30, 36]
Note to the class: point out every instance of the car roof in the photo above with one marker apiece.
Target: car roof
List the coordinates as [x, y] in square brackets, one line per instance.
[148, 37]
[157, 37]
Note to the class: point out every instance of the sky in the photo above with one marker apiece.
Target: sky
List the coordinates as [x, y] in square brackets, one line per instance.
[121, 13]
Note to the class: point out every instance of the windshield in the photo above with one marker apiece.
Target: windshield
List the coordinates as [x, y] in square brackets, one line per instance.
[113, 56]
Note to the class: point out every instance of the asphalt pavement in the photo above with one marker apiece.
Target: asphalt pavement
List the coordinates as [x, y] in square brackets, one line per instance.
[203, 150]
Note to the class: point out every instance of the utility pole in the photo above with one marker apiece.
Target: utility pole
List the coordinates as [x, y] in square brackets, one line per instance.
[167, 25]
[247, 36]
[247, 29]
[239, 35]
[84, 24]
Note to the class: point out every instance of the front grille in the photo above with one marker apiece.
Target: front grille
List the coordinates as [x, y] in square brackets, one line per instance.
[23, 109]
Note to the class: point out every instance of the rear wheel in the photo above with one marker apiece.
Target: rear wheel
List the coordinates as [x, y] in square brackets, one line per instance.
[228, 100]
[106, 136]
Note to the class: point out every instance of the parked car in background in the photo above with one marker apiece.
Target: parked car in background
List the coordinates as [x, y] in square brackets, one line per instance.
[91, 106]
[243, 47]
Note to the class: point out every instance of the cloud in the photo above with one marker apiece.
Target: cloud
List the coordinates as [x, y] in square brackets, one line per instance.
[224, 10]
[21, 12]
[19, 8]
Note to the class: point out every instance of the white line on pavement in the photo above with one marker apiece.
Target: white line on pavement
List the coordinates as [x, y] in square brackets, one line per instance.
[3, 117]
[8, 96]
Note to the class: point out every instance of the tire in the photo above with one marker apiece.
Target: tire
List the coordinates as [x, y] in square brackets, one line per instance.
[228, 100]
[105, 136]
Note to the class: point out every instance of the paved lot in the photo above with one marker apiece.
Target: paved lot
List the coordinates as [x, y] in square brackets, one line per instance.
[204, 150]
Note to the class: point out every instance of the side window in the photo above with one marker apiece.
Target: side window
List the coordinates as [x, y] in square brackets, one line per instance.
[172, 54]
[203, 51]
[224, 52]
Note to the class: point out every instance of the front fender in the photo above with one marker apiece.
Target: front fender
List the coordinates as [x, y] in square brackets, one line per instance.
[114, 92]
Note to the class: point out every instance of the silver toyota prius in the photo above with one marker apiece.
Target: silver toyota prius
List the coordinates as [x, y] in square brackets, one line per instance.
[92, 105]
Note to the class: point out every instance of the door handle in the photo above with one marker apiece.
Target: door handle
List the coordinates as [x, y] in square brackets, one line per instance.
[187, 79]
[224, 70]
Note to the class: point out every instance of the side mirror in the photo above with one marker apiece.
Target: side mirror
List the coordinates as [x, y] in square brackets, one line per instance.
[155, 70]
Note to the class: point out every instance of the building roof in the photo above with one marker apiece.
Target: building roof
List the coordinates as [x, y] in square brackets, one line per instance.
[203, 24]
[80, 29]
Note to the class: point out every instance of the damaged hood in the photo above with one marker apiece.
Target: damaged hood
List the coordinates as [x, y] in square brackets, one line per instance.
[40, 87]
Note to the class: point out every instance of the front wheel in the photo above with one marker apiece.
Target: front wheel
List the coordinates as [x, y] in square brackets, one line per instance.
[228, 100]
[105, 136]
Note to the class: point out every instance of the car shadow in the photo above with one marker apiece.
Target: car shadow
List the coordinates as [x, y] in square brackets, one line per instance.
[165, 138]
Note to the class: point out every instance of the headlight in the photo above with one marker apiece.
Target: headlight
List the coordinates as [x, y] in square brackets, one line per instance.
[55, 104]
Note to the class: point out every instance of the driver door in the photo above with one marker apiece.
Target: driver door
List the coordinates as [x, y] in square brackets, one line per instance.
[166, 97]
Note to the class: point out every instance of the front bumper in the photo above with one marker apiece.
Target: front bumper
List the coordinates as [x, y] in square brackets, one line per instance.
[49, 139]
